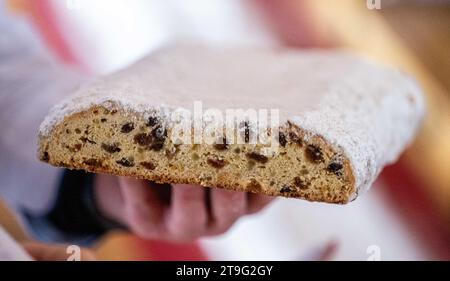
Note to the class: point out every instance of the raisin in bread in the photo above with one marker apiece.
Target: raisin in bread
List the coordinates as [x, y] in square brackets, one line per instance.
[341, 119]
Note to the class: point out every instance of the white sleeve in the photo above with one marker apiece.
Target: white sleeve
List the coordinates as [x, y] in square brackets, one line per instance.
[31, 81]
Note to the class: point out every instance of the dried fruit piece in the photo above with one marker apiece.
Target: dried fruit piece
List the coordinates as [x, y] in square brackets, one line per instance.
[93, 162]
[335, 167]
[282, 139]
[221, 146]
[156, 146]
[313, 153]
[298, 182]
[154, 141]
[143, 139]
[127, 127]
[87, 140]
[216, 163]
[286, 189]
[148, 165]
[295, 138]
[257, 157]
[45, 157]
[152, 121]
[111, 148]
[126, 162]
[103, 120]
[159, 134]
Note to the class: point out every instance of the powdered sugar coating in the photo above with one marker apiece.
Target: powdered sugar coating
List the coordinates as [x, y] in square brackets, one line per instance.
[372, 115]
[367, 111]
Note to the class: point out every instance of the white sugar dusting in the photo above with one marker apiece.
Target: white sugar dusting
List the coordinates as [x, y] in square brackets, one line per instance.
[372, 116]
[368, 111]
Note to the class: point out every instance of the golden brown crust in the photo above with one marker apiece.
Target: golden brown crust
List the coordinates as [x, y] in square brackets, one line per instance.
[307, 166]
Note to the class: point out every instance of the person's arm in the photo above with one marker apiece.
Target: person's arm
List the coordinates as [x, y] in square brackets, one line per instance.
[31, 82]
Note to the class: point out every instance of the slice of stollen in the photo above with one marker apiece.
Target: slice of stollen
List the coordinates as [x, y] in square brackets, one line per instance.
[186, 114]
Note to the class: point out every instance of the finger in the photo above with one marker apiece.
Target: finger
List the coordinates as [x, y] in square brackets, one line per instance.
[257, 202]
[144, 211]
[226, 207]
[188, 212]
[45, 252]
[108, 196]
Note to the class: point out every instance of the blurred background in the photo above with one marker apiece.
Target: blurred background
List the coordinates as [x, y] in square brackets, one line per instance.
[406, 214]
